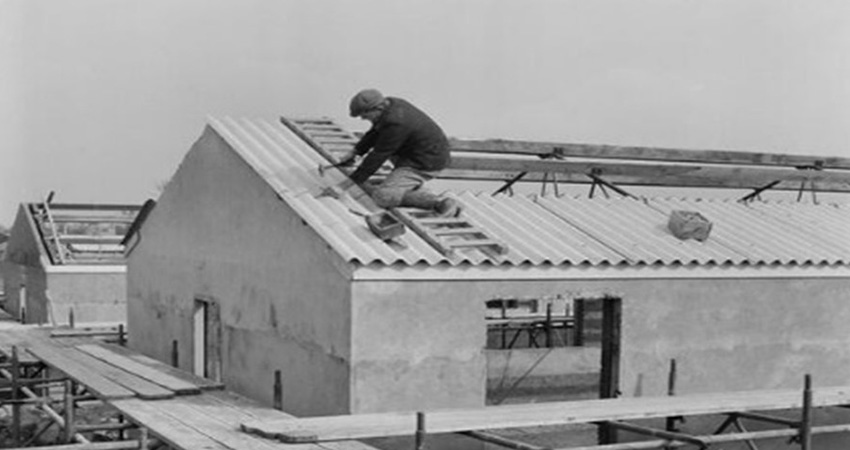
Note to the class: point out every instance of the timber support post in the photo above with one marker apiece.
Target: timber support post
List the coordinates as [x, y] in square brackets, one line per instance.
[68, 431]
[16, 406]
[278, 391]
[420, 431]
[806, 421]
[175, 361]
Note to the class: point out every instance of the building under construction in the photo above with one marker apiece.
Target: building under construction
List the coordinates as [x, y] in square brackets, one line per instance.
[65, 262]
[244, 273]
[527, 311]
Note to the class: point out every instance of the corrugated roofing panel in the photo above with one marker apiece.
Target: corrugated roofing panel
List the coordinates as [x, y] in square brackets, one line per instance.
[290, 166]
[533, 234]
[548, 231]
[757, 231]
[637, 230]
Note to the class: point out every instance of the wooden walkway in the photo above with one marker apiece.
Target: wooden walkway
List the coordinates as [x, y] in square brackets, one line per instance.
[322, 429]
[186, 412]
[177, 408]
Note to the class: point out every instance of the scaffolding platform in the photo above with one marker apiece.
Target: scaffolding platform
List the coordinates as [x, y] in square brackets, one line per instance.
[155, 405]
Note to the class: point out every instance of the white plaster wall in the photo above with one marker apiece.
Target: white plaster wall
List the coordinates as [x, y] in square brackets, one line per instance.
[220, 232]
[23, 266]
[419, 344]
[94, 297]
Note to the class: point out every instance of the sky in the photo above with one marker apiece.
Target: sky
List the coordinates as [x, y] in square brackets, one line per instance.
[101, 99]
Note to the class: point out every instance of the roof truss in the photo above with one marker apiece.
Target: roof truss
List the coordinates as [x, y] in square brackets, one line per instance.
[74, 234]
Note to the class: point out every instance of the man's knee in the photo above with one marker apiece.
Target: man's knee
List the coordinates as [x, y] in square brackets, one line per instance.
[387, 198]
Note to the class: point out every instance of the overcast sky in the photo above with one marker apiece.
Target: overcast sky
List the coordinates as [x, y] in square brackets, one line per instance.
[101, 99]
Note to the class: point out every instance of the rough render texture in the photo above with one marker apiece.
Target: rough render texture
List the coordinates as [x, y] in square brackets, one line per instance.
[94, 297]
[726, 334]
[22, 265]
[220, 233]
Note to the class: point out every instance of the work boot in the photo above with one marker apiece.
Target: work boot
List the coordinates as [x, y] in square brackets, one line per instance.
[448, 207]
[420, 199]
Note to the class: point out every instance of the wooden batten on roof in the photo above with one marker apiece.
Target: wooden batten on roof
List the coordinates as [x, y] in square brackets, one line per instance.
[616, 165]
[500, 146]
[81, 234]
[636, 174]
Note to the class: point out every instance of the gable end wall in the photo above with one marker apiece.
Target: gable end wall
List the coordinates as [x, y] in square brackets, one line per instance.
[221, 234]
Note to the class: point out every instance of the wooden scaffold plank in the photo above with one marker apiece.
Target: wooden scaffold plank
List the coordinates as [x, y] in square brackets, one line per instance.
[98, 384]
[165, 380]
[200, 382]
[556, 413]
[92, 372]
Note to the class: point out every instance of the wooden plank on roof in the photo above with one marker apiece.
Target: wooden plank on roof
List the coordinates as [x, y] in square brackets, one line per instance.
[97, 383]
[652, 174]
[91, 239]
[645, 153]
[92, 219]
[321, 429]
[94, 207]
[179, 386]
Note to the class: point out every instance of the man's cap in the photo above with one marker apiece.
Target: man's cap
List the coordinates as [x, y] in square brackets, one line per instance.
[364, 101]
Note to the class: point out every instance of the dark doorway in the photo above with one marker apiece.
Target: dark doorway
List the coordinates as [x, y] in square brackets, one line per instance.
[206, 323]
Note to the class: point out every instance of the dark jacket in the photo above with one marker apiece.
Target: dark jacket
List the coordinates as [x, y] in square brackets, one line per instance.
[407, 137]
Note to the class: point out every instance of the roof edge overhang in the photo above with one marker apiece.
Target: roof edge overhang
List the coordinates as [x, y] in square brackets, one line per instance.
[588, 272]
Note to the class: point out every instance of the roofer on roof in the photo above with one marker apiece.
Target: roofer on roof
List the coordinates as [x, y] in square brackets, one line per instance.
[414, 144]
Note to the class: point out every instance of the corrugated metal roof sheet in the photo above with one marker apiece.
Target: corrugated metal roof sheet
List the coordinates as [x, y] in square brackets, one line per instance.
[550, 231]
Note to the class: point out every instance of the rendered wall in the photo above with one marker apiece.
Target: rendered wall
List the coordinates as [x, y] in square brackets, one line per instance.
[419, 344]
[23, 266]
[94, 297]
[220, 233]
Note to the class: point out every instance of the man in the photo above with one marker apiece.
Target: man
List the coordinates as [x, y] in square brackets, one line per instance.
[414, 144]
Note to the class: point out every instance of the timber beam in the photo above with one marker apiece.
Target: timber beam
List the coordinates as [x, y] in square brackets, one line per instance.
[595, 151]
[635, 174]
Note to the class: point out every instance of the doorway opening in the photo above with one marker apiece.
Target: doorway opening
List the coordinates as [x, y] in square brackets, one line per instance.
[206, 325]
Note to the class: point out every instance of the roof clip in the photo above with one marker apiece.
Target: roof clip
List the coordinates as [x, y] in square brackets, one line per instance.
[594, 174]
[557, 153]
[756, 194]
[818, 165]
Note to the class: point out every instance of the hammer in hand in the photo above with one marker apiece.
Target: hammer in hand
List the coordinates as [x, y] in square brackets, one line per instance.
[343, 163]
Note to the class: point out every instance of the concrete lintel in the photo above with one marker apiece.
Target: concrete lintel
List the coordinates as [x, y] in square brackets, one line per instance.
[447, 273]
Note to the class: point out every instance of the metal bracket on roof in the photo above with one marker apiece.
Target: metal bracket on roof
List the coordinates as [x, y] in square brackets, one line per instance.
[594, 174]
[818, 165]
[756, 194]
[557, 153]
[554, 183]
[508, 186]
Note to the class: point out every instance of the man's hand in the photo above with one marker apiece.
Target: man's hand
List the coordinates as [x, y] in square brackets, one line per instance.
[348, 159]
